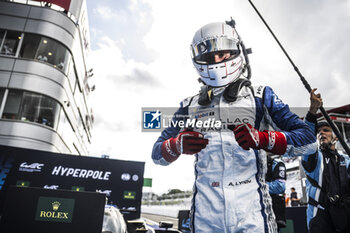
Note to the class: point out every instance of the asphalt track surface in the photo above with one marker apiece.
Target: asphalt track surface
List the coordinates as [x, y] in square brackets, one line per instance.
[159, 218]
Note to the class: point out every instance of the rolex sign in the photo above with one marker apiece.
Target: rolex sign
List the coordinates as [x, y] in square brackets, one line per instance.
[52, 209]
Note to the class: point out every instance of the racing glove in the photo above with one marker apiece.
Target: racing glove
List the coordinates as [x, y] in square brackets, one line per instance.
[186, 142]
[249, 137]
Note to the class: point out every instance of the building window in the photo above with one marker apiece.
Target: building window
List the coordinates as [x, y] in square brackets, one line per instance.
[12, 106]
[27, 106]
[54, 53]
[10, 43]
[2, 33]
[2, 92]
[30, 46]
[46, 50]
[39, 108]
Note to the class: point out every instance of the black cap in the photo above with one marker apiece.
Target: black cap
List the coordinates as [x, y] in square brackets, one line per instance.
[322, 123]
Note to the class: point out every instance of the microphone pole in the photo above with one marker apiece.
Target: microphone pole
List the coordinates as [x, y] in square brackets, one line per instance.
[306, 84]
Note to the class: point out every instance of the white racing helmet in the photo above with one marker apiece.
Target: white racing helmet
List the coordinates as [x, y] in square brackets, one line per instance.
[213, 38]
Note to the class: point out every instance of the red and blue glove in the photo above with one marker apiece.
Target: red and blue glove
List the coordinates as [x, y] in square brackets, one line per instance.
[186, 142]
[249, 137]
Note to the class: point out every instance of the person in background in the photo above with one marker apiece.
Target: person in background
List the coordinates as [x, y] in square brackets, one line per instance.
[294, 200]
[42, 58]
[328, 178]
[287, 200]
[230, 193]
[276, 180]
[7, 50]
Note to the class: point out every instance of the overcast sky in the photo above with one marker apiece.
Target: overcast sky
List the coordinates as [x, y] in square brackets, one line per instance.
[140, 55]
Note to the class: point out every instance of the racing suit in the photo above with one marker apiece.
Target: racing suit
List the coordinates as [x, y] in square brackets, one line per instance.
[230, 193]
[328, 188]
[276, 180]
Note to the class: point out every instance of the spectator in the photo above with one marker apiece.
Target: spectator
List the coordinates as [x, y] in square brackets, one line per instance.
[328, 178]
[7, 50]
[294, 200]
[60, 65]
[42, 58]
[230, 192]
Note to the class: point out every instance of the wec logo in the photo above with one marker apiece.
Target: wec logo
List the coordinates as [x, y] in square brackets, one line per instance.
[51, 187]
[107, 192]
[34, 167]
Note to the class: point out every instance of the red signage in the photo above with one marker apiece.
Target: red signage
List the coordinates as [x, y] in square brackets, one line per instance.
[62, 3]
[343, 119]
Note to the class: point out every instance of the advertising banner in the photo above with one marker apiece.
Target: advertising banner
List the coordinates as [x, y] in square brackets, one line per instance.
[45, 210]
[147, 182]
[121, 181]
[62, 3]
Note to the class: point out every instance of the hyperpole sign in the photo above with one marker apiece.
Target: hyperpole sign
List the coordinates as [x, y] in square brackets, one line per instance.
[121, 181]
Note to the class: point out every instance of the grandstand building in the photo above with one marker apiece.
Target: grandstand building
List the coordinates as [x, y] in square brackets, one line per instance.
[44, 76]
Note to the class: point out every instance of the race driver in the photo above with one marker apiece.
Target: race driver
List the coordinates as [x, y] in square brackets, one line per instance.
[230, 193]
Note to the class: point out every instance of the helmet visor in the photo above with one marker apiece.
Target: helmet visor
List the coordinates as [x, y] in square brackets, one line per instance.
[216, 57]
[204, 51]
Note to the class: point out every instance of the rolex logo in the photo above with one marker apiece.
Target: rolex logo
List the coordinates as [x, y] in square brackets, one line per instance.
[55, 205]
[55, 209]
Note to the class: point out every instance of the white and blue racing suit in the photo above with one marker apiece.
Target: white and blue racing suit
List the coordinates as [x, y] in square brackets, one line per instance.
[230, 192]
